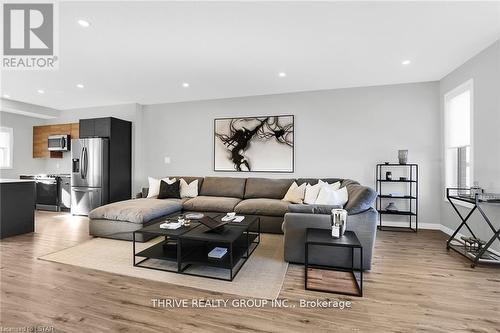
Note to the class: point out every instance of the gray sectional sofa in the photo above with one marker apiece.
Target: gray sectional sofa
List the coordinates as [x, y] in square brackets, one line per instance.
[249, 196]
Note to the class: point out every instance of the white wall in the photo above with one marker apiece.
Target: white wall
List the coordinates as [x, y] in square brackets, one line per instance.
[484, 69]
[338, 133]
[130, 112]
[23, 161]
[27, 109]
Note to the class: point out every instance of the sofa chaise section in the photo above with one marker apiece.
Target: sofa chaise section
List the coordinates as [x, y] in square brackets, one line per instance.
[119, 219]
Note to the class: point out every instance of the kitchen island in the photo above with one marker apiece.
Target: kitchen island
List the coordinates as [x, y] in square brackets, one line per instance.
[17, 207]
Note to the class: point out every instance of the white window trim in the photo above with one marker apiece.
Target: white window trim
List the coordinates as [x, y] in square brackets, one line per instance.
[467, 85]
[11, 150]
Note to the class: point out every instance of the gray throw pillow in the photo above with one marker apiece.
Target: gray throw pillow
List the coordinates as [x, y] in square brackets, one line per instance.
[361, 198]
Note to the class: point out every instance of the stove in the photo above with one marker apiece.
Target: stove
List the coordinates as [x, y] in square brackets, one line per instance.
[51, 191]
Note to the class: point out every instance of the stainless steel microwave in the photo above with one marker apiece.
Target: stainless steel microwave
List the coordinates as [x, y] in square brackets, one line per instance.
[59, 142]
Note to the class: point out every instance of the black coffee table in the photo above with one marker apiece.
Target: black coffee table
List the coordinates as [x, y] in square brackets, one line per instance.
[188, 247]
[323, 237]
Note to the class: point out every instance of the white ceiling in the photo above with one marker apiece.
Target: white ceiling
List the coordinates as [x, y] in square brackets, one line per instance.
[143, 52]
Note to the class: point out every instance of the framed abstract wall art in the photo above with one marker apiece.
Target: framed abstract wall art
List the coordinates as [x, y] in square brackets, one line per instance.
[257, 144]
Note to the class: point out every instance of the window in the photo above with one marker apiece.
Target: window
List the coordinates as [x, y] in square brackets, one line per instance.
[6, 143]
[458, 136]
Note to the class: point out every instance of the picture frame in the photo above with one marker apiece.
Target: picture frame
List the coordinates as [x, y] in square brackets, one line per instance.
[254, 144]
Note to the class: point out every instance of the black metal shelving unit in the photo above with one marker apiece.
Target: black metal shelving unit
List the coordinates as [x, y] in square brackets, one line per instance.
[411, 195]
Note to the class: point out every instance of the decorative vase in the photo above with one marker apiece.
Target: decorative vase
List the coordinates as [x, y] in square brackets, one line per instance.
[339, 222]
[403, 156]
[391, 207]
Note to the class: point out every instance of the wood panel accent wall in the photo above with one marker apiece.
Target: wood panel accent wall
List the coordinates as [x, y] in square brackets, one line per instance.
[41, 137]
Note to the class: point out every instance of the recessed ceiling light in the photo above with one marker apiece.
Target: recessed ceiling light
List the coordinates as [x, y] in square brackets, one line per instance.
[6, 96]
[84, 23]
[79, 85]
[406, 62]
[185, 85]
[40, 91]
[282, 74]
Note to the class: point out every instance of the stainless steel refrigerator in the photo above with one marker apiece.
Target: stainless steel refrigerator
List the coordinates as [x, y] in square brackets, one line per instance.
[89, 174]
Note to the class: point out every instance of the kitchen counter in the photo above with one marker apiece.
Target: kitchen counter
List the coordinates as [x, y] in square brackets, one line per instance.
[6, 180]
[17, 207]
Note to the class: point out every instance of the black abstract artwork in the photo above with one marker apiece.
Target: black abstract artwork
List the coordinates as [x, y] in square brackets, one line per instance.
[254, 144]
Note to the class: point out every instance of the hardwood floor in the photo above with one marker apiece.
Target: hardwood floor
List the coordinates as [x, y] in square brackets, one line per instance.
[415, 285]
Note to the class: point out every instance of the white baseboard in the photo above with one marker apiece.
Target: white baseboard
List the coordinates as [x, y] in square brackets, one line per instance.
[421, 225]
[448, 231]
[430, 226]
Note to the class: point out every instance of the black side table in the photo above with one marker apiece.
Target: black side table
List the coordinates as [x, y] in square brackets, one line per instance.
[481, 254]
[322, 237]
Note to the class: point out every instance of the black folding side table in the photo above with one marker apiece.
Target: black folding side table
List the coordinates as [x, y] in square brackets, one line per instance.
[482, 255]
[323, 237]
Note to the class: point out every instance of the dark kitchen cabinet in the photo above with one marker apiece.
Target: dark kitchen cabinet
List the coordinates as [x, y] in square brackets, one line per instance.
[102, 127]
[17, 202]
[120, 160]
[86, 128]
[119, 133]
[97, 127]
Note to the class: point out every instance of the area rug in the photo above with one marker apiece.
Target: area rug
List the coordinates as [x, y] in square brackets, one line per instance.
[260, 277]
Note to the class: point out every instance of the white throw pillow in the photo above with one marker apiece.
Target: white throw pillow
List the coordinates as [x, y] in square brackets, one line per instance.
[329, 196]
[295, 193]
[189, 190]
[312, 192]
[335, 186]
[154, 185]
